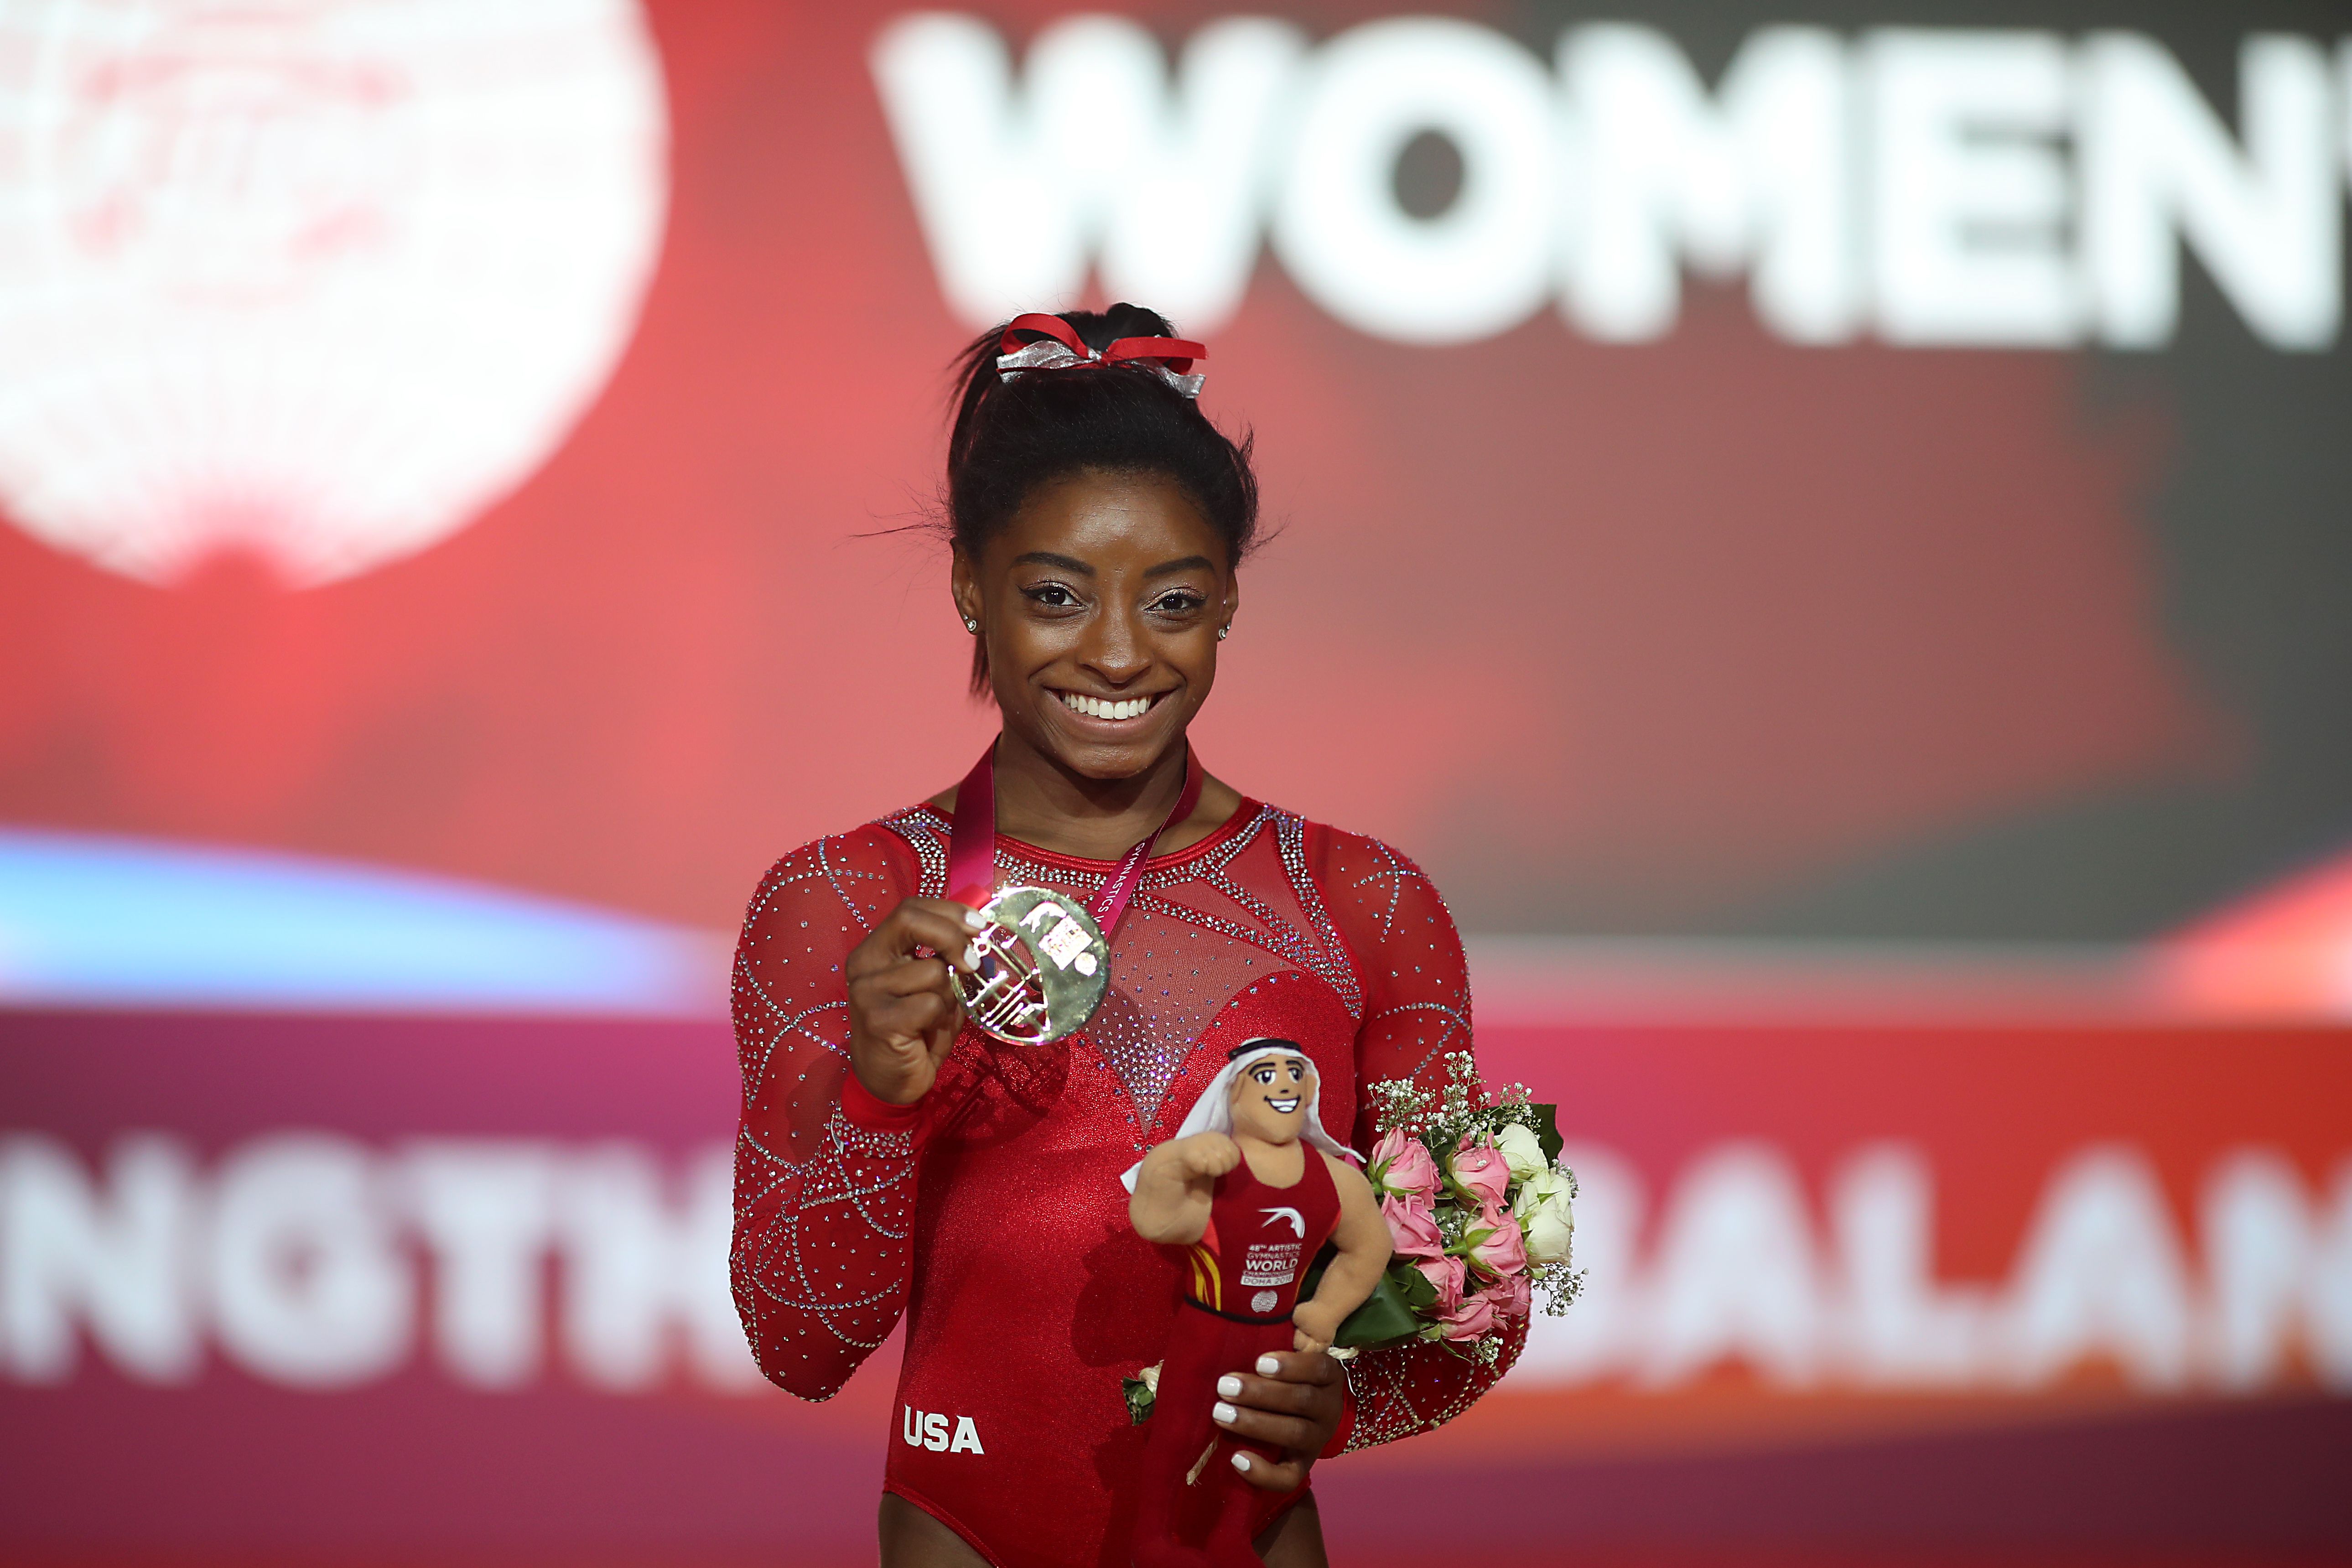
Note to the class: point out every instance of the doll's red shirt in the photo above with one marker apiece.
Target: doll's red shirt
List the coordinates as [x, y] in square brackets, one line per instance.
[1260, 1239]
[992, 1214]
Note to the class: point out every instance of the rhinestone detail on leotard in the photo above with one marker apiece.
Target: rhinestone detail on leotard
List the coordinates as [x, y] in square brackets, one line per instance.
[826, 1236]
[1145, 1038]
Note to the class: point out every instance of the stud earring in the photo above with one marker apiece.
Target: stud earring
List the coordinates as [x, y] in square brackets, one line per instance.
[1224, 631]
[972, 626]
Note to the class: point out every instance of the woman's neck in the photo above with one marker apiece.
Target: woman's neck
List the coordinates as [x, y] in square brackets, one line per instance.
[1040, 802]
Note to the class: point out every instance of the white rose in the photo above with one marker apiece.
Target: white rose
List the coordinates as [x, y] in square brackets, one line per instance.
[1549, 1230]
[1535, 1190]
[1521, 1150]
[1151, 1376]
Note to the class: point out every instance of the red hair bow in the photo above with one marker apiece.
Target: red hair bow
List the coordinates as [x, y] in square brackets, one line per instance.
[1061, 348]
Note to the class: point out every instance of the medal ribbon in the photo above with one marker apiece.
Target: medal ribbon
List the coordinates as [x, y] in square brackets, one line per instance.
[971, 846]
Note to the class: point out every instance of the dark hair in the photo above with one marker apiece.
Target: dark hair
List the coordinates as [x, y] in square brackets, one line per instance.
[1011, 437]
[1262, 1043]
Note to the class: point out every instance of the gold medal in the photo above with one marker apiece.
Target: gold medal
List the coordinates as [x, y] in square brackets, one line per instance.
[1044, 961]
[1044, 967]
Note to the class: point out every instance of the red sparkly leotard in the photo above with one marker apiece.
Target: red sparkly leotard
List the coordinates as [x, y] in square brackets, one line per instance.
[1241, 1280]
[991, 1213]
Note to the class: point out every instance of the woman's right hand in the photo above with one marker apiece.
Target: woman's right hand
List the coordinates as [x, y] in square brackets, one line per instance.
[903, 1011]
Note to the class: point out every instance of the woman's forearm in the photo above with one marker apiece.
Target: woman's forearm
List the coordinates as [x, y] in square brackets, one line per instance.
[822, 1252]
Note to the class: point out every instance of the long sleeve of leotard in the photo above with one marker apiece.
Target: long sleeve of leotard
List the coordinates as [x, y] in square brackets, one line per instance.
[822, 1205]
[1416, 1011]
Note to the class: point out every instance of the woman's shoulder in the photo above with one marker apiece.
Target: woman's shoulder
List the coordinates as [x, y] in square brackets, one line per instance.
[868, 869]
[1377, 895]
[1336, 854]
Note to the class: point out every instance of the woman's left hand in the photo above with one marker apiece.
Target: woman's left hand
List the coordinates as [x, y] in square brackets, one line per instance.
[1292, 1401]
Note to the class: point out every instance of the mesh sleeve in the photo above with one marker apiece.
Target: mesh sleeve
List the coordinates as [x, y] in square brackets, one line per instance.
[1416, 1010]
[823, 1206]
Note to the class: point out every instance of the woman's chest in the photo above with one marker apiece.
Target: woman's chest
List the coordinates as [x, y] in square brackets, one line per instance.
[1125, 1082]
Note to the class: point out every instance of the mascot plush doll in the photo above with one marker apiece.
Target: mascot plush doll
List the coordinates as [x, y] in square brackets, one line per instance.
[1250, 1187]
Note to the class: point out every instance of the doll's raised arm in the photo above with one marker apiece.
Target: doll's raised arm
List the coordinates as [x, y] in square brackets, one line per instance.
[1176, 1183]
[1362, 1240]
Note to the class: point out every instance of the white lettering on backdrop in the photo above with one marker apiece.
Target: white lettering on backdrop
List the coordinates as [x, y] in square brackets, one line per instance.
[314, 1260]
[1933, 186]
[1734, 1272]
[307, 1286]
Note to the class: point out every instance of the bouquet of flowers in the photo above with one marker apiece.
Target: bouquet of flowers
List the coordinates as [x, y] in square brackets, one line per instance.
[1480, 1213]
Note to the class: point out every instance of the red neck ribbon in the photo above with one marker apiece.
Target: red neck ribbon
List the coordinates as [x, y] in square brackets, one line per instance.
[971, 845]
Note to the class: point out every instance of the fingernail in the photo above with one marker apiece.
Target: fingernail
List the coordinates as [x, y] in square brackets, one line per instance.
[1241, 1463]
[972, 955]
[1225, 1413]
[1230, 1387]
[1268, 1367]
[974, 921]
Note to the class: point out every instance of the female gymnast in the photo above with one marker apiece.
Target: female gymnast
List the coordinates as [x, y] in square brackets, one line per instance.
[895, 1160]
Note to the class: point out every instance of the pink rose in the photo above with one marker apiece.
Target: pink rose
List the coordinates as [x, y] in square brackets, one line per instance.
[1401, 1165]
[1502, 1251]
[1448, 1274]
[1412, 1226]
[1480, 1170]
[1513, 1295]
[1473, 1320]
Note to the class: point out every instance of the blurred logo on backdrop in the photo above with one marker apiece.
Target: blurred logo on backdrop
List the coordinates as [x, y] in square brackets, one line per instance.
[310, 282]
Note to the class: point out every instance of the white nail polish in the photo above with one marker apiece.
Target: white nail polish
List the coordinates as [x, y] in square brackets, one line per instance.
[974, 921]
[1268, 1367]
[1241, 1463]
[1230, 1387]
[972, 955]
[1225, 1413]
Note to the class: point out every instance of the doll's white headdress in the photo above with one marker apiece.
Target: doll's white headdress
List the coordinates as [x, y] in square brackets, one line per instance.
[1214, 1111]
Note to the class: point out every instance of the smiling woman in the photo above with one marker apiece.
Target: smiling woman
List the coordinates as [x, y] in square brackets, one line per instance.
[896, 1158]
[1098, 605]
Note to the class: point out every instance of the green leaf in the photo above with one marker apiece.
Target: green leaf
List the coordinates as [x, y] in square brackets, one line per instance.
[1419, 1292]
[1547, 1129]
[1140, 1399]
[1388, 1315]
